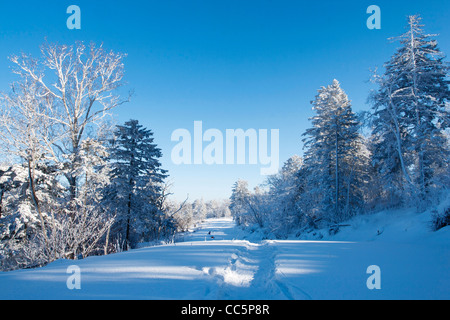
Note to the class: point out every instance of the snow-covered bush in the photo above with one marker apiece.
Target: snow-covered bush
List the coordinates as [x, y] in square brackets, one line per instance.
[441, 216]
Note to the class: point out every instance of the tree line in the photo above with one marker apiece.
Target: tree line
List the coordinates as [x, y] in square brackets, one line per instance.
[403, 161]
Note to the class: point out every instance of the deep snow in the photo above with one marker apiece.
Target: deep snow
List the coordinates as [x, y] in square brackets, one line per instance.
[414, 264]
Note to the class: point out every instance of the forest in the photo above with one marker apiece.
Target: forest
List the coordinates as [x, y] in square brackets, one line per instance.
[73, 184]
[395, 155]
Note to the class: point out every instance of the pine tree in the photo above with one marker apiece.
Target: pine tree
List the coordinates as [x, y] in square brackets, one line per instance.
[410, 116]
[136, 182]
[334, 159]
[284, 193]
[239, 202]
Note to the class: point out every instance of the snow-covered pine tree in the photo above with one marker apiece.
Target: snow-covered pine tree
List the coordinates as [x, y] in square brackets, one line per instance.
[410, 116]
[334, 160]
[136, 183]
[239, 202]
[283, 196]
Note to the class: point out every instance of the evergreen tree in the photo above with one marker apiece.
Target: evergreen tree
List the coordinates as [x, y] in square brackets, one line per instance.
[136, 183]
[239, 202]
[334, 160]
[284, 193]
[410, 116]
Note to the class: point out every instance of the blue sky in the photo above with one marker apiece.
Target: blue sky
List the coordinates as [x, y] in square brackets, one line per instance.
[231, 64]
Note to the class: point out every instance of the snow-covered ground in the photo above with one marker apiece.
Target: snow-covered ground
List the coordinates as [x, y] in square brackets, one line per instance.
[414, 264]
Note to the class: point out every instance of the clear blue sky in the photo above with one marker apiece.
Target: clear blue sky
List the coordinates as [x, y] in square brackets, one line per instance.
[231, 64]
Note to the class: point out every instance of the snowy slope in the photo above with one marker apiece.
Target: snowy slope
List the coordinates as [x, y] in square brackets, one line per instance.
[229, 268]
[406, 226]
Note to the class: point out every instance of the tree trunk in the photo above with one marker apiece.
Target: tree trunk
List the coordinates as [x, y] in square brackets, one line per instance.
[1, 201]
[107, 241]
[337, 177]
[349, 185]
[36, 202]
[73, 187]
[397, 134]
[127, 234]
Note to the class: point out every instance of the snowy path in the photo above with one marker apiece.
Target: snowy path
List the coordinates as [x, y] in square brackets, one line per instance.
[228, 268]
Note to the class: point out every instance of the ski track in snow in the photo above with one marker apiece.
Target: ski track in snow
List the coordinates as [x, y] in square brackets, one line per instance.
[251, 274]
[252, 271]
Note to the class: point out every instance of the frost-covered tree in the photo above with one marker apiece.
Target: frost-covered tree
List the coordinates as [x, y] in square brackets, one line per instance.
[94, 172]
[182, 214]
[26, 134]
[334, 157]
[410, 116]
[239, 200]
[51, 124]
[218, 208]
[77, 85]
[69, 234]
[248, 208]
[199, 209]
[283, 197]
[136, 183]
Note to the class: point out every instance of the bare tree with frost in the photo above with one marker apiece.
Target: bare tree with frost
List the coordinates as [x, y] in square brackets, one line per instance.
[52, 122]
[79, 85]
